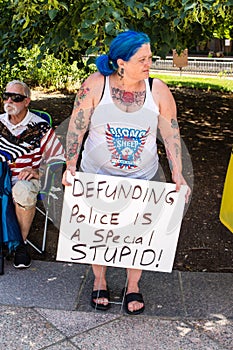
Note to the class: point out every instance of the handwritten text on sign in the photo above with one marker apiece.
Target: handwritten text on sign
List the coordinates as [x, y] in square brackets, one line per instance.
[122, 222]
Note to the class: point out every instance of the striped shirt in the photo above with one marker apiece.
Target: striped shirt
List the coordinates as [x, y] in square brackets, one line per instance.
[28, 143]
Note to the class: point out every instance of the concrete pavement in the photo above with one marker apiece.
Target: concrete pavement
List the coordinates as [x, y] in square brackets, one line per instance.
[48, 307]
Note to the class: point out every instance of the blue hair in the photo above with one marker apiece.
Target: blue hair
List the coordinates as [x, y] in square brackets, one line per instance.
[124, 46]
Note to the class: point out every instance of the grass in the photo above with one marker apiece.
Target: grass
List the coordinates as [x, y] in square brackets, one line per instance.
[220, 83]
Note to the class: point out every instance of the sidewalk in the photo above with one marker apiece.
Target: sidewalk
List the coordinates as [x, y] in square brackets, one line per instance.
[48, 307]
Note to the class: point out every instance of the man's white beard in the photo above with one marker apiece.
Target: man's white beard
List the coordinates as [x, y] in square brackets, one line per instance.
[11, 109]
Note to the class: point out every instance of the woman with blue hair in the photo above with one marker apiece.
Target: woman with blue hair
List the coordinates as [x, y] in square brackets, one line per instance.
[122, 113]
[124, 46]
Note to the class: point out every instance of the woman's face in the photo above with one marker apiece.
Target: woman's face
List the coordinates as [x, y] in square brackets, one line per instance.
[138, 66]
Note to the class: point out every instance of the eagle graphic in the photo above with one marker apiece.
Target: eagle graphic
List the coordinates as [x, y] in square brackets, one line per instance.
[125, 150]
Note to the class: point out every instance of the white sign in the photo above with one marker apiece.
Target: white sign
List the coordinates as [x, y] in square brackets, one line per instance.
[121, 222]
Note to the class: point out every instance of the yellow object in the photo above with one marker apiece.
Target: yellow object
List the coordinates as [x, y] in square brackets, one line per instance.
[226, 210]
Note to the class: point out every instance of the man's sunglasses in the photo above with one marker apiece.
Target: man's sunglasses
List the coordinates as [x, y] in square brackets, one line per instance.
[14, 96]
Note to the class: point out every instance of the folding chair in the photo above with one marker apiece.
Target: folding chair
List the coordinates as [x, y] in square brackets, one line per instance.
[48, 191]
[44, 115]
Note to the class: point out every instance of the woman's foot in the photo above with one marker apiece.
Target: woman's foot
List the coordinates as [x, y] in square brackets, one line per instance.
[134, 303]
[100, 299]
[100, 296]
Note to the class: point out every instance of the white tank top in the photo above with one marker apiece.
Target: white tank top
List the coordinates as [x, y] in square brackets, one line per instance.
[122, 143]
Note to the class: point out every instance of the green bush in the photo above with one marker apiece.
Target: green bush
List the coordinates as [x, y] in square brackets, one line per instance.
[47, 73]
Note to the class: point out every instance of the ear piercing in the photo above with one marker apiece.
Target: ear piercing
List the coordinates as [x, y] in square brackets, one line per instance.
[121, 73]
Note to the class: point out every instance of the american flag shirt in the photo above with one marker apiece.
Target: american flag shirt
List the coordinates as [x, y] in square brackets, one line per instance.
[28, 143]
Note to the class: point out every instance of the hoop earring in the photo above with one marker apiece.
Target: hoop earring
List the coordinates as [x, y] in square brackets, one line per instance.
[121, 73]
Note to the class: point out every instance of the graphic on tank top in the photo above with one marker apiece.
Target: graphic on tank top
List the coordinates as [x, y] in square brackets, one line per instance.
[126, 145]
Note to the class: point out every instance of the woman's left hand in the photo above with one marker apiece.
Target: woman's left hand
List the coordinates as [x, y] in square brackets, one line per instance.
[179, 180]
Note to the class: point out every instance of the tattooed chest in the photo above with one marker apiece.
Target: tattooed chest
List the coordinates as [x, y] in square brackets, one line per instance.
[128, 101]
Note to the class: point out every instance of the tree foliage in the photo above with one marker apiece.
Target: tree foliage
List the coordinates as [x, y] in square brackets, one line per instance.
[71, 29]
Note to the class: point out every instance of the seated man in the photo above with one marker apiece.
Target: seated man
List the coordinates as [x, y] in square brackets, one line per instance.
[25, 140]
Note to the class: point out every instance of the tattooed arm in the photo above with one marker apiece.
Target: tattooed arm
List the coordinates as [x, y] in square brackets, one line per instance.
[85, 102]
[169, 129]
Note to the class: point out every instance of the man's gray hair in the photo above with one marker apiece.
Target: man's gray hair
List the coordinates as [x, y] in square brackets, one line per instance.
[26, 89]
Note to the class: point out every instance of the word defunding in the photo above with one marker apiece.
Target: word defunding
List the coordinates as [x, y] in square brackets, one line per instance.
[122, 222]
[122, 191]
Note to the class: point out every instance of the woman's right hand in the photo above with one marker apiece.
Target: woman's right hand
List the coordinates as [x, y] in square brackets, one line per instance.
[71, 170]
